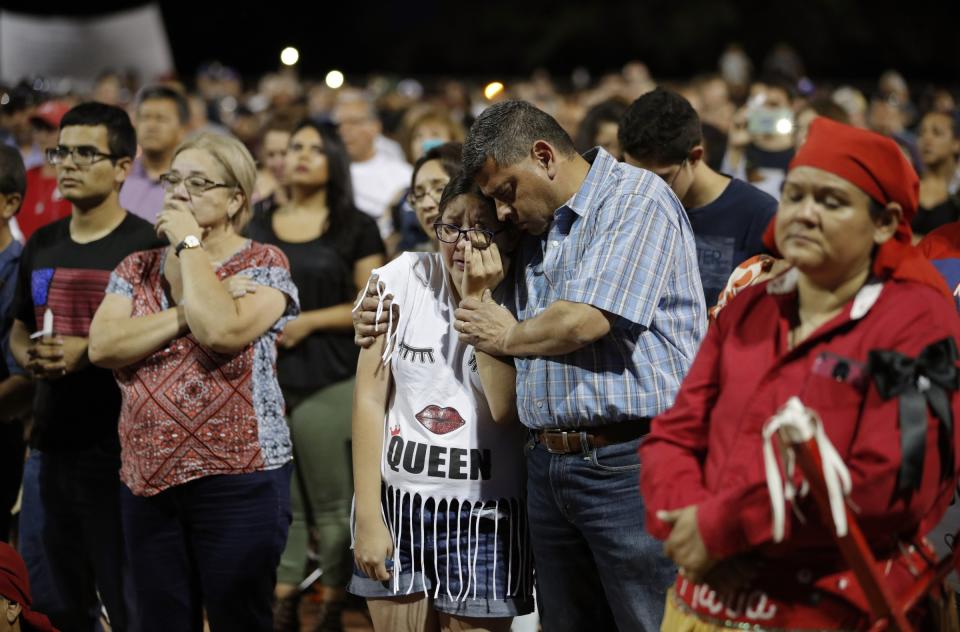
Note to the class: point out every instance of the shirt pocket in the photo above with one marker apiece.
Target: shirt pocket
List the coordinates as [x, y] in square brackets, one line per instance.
[561, 259]
[835, 389]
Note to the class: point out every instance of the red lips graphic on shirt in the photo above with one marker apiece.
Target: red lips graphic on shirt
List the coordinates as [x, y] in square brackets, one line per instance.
[440, 420]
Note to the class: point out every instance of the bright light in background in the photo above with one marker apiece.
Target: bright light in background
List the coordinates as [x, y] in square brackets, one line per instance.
[334, 79]
[784, 126]
[289, 56]
[492, 89]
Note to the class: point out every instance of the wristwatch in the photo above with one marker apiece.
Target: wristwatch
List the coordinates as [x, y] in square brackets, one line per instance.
[190, 241]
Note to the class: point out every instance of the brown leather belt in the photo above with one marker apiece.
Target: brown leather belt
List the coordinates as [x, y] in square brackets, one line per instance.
[575, 441]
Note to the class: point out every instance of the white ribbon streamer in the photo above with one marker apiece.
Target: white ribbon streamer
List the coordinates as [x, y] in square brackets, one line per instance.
[796, 424]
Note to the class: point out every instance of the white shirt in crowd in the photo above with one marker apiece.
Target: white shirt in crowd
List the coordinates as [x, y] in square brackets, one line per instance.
[378, 183]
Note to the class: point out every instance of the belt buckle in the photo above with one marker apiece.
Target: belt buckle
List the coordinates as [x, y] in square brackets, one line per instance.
[565, 441]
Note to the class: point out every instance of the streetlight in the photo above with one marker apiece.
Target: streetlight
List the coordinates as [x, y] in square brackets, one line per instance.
[492, 89]
[334, 79]
[289, 56]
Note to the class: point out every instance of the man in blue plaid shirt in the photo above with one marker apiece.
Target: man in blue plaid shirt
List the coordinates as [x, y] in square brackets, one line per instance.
[611, 313]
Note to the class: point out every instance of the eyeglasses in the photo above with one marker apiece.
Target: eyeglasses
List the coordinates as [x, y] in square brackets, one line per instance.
[195, 185]
[415, 198]
[479, 237]
[83, 155]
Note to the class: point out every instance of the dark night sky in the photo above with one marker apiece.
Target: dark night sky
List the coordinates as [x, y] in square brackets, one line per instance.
[836, 38]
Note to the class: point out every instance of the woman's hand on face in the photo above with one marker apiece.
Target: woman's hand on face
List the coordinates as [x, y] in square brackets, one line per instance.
[372, 549]
[482, 270]
[174, 224]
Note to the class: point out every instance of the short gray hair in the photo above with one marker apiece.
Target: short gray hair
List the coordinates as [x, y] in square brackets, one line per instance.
[506, 131]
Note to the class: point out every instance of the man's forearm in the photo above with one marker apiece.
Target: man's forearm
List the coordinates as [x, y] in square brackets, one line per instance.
[562, 328]
[335, 318]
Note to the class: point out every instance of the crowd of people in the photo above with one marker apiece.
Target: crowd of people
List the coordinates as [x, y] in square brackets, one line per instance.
[451, 354]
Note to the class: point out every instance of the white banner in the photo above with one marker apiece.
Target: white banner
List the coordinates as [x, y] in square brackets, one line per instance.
[81, 48]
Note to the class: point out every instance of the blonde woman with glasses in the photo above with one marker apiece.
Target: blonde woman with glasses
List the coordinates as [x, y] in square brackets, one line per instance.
[205, 448]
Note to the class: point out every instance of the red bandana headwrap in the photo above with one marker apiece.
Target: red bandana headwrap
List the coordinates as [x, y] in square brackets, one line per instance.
[15, 586]
[877, 167]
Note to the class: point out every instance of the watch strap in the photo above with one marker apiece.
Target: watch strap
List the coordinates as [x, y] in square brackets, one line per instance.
[190, 241]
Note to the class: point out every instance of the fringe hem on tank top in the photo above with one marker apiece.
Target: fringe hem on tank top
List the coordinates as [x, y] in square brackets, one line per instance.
[519, 564]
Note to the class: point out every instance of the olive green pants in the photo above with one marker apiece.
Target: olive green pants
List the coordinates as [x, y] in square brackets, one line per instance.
[322, 484]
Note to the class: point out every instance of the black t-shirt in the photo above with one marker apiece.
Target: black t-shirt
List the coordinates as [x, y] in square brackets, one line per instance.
[765, 159]
[79, 410]
[929, 219]
[728, 231]
[322, 270]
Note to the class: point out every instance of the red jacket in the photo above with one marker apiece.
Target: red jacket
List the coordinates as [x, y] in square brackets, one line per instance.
[707, 449]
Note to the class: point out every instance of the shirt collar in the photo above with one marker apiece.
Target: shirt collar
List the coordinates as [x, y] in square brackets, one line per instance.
[139, 171]
[864, 300]
[596, 186]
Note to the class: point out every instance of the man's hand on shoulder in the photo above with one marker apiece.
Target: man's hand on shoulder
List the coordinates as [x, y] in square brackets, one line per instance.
[367, 327]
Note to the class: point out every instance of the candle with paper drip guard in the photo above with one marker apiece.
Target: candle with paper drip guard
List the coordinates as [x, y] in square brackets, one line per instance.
[47, 325]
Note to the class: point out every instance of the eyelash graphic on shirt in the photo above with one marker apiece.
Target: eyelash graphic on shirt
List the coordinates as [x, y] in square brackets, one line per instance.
[423, 355]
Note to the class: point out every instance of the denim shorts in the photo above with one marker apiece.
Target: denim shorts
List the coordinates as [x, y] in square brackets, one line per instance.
[472, 558]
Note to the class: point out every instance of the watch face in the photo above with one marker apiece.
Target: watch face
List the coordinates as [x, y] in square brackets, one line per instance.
[190, 241]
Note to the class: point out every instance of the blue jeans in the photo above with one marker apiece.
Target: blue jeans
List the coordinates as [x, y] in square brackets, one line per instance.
[597, 568]
[211, 543]
[71, 538]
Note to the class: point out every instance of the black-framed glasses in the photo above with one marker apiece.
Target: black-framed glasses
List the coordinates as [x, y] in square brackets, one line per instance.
[195, 184]
[83, 155]
[415, 198]
[479, 237]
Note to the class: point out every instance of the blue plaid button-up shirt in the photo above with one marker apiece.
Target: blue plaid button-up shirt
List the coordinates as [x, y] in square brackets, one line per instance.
[623, 244]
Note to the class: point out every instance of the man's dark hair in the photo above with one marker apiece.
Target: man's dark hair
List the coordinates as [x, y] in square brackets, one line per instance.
[609, 111]
[506, 131]
[449, 156]
[13, 176]
[121, 137]
[828, 108]
[165, 92]
[779, 80]
[660, 128]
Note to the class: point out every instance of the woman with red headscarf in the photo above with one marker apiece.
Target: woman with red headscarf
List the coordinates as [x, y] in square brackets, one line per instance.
[15, 612]
[833, 331]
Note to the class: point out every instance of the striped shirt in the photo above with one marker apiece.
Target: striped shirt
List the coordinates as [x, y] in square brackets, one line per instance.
[622, 244]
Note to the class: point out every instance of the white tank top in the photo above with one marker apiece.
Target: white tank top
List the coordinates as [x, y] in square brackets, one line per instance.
[440, 440]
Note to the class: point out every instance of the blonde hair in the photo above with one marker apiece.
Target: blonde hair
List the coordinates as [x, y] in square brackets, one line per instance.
[238, 166]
